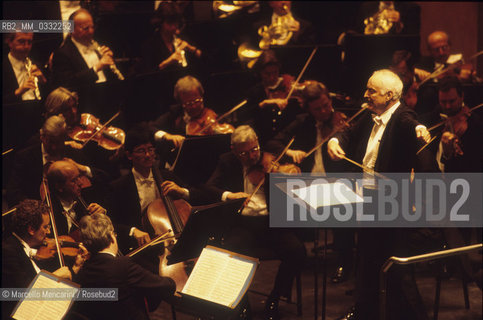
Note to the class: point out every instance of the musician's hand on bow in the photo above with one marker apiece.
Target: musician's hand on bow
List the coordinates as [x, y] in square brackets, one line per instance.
[73, 144]
[281, 103]
[172, 189]
[176, 139]
[236, 195]
[423, 134]
[141, 236]
[63, 272]
[421, 74]
[96, 208]
[335, 151]
[296, 155]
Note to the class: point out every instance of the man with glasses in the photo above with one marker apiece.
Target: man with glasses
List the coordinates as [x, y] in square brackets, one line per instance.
[131, 194]
[250, 230]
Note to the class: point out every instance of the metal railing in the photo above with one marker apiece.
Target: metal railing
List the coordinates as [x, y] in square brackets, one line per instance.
[410, 260]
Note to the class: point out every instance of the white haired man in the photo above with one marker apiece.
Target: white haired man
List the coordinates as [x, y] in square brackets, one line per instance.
[384, 141]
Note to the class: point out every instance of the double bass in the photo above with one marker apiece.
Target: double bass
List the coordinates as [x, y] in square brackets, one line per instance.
[168, 217]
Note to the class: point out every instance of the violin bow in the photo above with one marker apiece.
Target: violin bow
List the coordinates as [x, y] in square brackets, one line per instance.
[158, 239]
[8, 151]
[9, 212]
[223, 116]
[371, 171]
[263, 180]
[301, 73]
[48, 201]
[439, 125]
[334, 131]
[102, 127]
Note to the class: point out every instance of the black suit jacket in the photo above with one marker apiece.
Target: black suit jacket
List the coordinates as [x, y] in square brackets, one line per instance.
[69, 68]
[228, 176]
[17, 270]
[103, 270]
[398, 145]
[305, 133]
[26, 176]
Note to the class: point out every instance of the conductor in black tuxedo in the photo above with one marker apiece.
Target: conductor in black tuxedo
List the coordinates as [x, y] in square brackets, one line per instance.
[140, 291]
[385, 141]
[251, 231]
[78, 61]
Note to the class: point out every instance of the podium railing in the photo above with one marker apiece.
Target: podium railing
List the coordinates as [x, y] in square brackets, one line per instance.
[410, 260]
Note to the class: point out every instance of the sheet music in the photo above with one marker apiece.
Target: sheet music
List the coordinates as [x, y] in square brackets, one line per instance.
[44, 309]
[220, 276]
[322, 195]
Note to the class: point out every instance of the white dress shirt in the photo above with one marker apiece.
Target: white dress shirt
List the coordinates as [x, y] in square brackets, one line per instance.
[70, 215]
[21, 74]
[146, 187]
[90, 57]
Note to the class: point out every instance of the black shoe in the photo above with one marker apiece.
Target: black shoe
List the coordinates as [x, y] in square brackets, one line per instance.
[271, 310]
[350, 315]
[340, 275]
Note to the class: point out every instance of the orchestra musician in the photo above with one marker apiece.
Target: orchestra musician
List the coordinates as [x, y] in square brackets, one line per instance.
[131, 194]
[80, 60]
[385, 141]
[268, 110]
[188, 117]
[29, 164]
[459, 148]
[251, 230]
[140, 291]
[30, 227]
[21, 78]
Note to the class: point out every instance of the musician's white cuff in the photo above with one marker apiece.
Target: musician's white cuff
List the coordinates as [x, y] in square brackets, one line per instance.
[88, 172]
[225, 195]
[420, 127]
[186, 194]
[334, 139]
[158, 136]
[131, 232]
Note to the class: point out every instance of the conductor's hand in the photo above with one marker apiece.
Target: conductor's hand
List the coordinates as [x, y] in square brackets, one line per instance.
[423, 134]
[176, 139]
[297, 155]
[96, 208]
[141, 236]
[237, 195]
[172, 189]
[335, 151]
[281, 103]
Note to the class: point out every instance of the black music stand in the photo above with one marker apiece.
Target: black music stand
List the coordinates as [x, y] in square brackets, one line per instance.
[205, 225]
[198, 156]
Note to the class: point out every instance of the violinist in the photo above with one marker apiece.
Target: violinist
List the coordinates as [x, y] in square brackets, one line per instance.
[268, 110]
[231, 180]
[140, 291]
[131, 194]
[309, 129]
[459, 148]
[28, 171]
[188, 117]
[30, 227]
[65, 184]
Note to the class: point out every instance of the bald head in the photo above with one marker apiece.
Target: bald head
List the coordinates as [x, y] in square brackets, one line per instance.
[83, 27]
[63, 177]
[439, 46]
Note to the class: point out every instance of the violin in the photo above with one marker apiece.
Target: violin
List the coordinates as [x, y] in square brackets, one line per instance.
[207, 124]
[90, 128]
[69, 247]
[269, 164]
[455, 128]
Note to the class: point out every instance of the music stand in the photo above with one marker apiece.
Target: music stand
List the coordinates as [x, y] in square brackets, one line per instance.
[316, 203]
[205, 224]
[198, 156]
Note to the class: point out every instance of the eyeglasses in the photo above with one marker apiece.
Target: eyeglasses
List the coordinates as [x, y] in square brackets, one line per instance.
[245, 153]
[192, 102]
[150, 150]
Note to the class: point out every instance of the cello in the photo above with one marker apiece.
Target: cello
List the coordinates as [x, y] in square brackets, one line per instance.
[167, 217]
